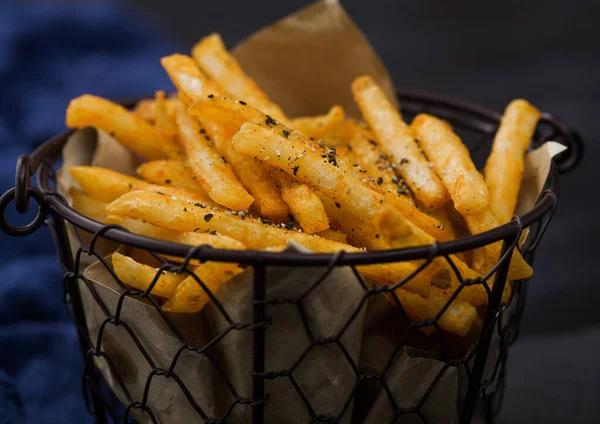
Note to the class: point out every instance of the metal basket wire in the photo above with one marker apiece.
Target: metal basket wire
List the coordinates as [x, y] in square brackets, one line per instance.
[475, 124]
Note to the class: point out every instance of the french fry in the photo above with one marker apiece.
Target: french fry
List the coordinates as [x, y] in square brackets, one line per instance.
[127, 127]
[220, 65]
[231, 114]
[505, 165]
[190, 297]
[307, 166]
[400, 232]
[87, 205]
[446, 151]
[171, 173]
[140, 276]
[185, 216]
[457, 319]
[403, 203]
[317, 126]
[397, 140]
[359, 233]
[213, 173]
[453, 163]
[253, 175]
[106, 185]
[191, 238]
[188, 78]
[369, 156]
[333, 235]
[304, 204]
[167, 129]
[145, 109]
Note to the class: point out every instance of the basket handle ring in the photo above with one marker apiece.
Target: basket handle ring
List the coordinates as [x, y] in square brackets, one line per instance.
[21, 193]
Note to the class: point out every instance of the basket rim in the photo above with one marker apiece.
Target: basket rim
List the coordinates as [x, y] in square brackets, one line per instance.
[50, 151]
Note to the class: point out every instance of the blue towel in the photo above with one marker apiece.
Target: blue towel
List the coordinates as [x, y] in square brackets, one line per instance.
[50, 53]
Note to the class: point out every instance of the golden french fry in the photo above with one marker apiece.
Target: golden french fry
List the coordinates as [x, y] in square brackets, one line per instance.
[140, 276]
[88, 206]
[359, 233]
[304, 204]
[213, 173]
[505, 165]
[106, 185]
[399, 232]
[403, 203]
[370, 158]
[334, 235]
[188, 78]
[457, 319]
[309, 167]
[253, 175]
[185, 216]
[451, 160]
[220, 65]
[397, 140]
[127, 127]
[189, 237]
[446, 151]
[230, 114]
[171, 173]
[145, 109]
[317, 126]
[167, 128]
[190, 297]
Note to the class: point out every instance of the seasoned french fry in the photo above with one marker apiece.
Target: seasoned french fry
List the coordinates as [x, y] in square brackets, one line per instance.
[185, 216]
[304, 204]
[505, 165]
[359, 233]
[171, 173]
[220, 65]
[308, 166]
[445, 150]
[397, 140]
[188, 78]
[453, 163]
[188, 237]
[213, 173]
[230, 114]
[190, 297]
[253, 175]
[106, 185]
[400, 232]
[140, 276]
[127, 127]
[457, 319]
[317, 126]
[402, 203]
[167, 128]
[145, 109]
[87, 205]
[333, 235]
[369, 156]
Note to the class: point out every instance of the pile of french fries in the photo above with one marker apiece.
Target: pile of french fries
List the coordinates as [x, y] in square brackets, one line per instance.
[225, 166]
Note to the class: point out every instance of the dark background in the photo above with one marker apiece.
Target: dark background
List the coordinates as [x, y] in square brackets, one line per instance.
[487, 52]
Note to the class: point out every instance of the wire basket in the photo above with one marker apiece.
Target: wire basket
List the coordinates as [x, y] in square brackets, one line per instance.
[475, 124]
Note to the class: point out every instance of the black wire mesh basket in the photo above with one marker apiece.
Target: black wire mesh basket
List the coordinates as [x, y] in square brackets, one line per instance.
[481, 360]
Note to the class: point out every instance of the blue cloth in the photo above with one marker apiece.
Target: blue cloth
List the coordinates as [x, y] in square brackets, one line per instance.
[50, 53]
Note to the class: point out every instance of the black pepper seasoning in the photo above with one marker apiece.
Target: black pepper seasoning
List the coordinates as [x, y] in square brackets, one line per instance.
[243, 102]
[270, 121]
[208, 217]
[295, 169]
[286, 133]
